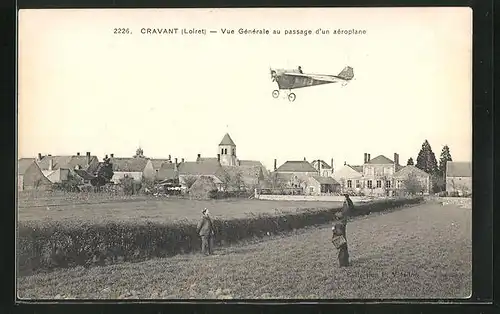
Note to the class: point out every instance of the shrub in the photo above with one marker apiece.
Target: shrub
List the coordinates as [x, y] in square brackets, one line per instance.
[130, 186]
[47, 245]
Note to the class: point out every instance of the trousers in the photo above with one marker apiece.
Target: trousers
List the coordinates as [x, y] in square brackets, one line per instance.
[206, 244]
[343, 256]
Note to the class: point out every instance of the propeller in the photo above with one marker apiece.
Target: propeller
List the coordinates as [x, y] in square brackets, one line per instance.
[273, 74]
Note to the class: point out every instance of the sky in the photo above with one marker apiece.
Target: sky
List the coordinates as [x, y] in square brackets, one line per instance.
[83, 88]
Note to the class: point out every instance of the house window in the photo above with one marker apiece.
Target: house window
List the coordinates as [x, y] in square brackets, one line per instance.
[379, 184]
[399, 184]
[349, 184]
[369, 171]
[388, 184]
[222, 151]
[358, 185]
[369, 183]
[311, 189]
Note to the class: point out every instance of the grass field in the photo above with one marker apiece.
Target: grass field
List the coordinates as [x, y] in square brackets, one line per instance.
[417, 252]
[161, 210]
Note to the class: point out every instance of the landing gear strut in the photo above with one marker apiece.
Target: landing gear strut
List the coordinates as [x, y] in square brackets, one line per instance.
[291, 96]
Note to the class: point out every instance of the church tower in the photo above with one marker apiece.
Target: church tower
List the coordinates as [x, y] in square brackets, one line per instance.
[227, 151]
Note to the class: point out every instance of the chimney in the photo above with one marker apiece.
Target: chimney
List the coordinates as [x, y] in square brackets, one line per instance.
[199, 156]
[331, 163]
[175, 161]
[169, 157]
[39, 156]
[319, 167]
[112, 155]
[51, 164]
[88, 158]
[78, 153]
[218, 157]
[275, 165]
[304, 158]
[396, 158]
[345, 163]
[365, 160]
[182, 160]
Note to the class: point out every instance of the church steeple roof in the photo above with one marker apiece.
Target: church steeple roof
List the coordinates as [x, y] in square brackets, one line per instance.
[226, 140]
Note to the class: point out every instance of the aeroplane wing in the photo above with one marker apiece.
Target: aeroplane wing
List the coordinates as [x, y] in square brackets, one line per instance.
[318, 77]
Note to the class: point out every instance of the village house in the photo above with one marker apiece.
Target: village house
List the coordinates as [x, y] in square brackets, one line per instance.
[226, 169]
[458, 178]
[167, 172]
[324, 169]
[408, 173]
[295, 174]
[379, 176]
[58, 168]
[30, 176]
[137, 168]
[320, 185]
[190, 171]
[350, 177]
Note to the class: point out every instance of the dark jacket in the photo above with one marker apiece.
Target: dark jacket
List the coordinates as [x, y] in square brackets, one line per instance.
[205, 227]
[347, 209]
[340, 227]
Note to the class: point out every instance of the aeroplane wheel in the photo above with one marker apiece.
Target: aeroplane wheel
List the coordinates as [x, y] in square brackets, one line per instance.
[276, 93]
[291, 97]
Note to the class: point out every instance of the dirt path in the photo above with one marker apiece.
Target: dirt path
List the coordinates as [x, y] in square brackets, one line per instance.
[417, 252]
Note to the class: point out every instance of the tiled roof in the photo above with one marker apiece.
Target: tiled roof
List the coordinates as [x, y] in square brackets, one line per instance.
[357, 168]
[129, 164]
[199, 168]
[65, 162]
[227, 140]
[250, 175]
[251, 163]
[296, 166]
[158, 162]
[403, 172]
[325, 180]
[324, 165]
[458, 169]
[24, 164]
[167, 172]
[380, 160]
[208, 159]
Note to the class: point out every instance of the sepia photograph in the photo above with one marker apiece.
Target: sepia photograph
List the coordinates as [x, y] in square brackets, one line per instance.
[249, 153]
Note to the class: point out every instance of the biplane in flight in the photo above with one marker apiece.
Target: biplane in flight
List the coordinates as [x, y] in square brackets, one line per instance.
[295, 78]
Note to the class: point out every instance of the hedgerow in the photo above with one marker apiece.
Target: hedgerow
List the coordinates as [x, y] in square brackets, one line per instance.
[56, 244]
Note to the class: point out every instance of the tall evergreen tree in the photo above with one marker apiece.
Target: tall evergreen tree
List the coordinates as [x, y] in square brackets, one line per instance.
[445, 157]
[410, 162]
[426, 160]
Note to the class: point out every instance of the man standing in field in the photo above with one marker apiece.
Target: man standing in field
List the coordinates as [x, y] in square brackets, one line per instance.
[206, 231]
[339, 237]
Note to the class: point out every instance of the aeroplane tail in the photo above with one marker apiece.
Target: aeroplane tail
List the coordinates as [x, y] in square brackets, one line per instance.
[346, 74]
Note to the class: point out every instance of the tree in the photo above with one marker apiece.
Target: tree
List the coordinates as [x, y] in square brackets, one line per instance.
[412, 185]
[103, 174]
[410, 162]
[426, 160]
[445, 157]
